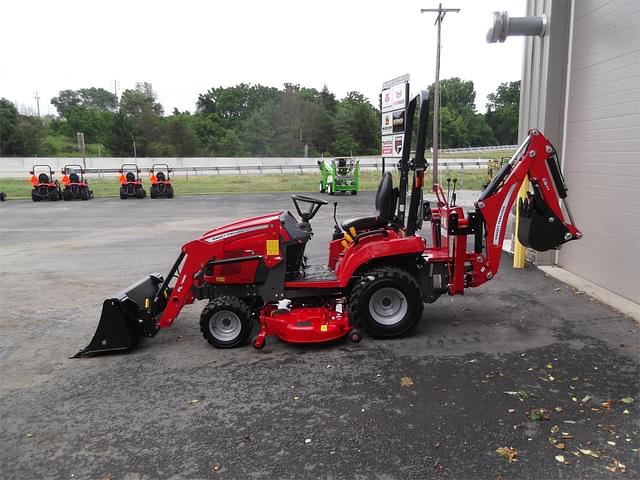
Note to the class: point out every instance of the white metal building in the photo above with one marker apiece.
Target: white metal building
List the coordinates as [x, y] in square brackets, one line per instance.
[581, 87]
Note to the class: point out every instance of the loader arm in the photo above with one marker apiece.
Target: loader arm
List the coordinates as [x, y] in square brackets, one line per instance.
[543, 223]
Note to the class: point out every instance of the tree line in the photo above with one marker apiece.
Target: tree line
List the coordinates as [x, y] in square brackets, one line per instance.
[243, 120]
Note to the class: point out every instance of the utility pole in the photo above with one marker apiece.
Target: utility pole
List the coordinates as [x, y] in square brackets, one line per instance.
[37, 97]
[436, 97]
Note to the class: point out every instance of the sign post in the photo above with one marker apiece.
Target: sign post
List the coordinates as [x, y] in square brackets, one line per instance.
[394, 101]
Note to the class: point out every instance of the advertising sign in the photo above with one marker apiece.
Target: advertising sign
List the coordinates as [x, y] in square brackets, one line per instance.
[395, 96]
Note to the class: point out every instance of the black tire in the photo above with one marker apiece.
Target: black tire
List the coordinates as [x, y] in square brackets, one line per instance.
[66, 195]
[140, 193]
[153, 192]
[54, 194]
[226, 322]
[354, 192]
[169, 192]
[386, 301]
[320, 187]
[85, 194]
[3, 196]
[123, 193]
[35, 197]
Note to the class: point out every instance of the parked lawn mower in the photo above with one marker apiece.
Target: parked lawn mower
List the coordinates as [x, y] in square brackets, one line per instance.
[45, 186]
[379, 271]
[339, 175]
[76, 187]
[130, 183]
[160, 181]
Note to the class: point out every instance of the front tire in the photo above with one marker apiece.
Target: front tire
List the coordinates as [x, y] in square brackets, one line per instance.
[226, 322]
[387, 302]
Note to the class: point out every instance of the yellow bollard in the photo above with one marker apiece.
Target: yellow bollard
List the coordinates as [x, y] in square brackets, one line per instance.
[519, 251]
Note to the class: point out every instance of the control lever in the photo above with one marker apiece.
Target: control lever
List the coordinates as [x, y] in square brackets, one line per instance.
[453, 195]
[448, 185]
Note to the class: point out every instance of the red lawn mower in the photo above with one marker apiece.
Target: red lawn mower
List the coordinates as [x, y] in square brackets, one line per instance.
[45, 186]
[160, 181]
[379, 271]
[76, 187]
[130, 183]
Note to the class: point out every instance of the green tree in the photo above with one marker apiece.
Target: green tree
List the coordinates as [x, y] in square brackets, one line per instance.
[9, 139]
[357, 126]
[181, 136]
[119, 135]
[97, 98]
[144, 112]
[503, 111]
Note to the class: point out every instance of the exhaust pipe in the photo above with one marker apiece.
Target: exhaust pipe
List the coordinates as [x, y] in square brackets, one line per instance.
[126, 317]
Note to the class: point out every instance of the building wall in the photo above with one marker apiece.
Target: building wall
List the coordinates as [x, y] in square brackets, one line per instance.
[601, 158]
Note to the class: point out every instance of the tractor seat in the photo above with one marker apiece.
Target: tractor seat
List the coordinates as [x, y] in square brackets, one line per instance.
[386, 200]
[74, 178]
[130, 177]
[161, 177]
[43, 178]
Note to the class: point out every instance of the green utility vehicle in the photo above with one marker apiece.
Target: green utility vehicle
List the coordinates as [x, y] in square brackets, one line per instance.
[339, 175]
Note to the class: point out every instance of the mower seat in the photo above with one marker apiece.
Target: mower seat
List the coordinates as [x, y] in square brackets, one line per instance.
[386, 200]
[130, 177]
[43, 178]
[161, 177]
[74, 178]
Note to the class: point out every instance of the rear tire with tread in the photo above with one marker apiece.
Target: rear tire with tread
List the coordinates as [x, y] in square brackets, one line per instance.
[386, 301]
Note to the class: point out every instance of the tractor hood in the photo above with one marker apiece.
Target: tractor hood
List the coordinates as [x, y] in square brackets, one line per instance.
[242, 226]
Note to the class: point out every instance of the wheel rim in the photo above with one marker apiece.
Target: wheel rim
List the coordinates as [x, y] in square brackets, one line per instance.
[388, 306]
[225, 326]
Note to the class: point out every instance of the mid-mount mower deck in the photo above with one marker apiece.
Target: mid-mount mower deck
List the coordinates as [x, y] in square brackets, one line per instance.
[160, 179]
[379, 273]
[76, 187]
[130, 183]
[45, 186]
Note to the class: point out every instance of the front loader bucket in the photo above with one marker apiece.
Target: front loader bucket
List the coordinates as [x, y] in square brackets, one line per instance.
[125, 318]
[539, 228]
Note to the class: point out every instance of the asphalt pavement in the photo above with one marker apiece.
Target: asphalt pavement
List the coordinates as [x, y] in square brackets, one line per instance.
[523, 362]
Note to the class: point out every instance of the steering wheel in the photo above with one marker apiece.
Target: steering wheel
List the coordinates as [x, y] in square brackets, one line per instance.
[314, 206]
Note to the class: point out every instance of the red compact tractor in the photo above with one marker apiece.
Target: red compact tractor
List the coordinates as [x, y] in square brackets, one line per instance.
[76, 187]
[379, 272]
[160, 181]
[45, 186]
[130, 183]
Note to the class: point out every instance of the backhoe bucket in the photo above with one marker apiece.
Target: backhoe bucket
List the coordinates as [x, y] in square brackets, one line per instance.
[125, 318]
[539, 228]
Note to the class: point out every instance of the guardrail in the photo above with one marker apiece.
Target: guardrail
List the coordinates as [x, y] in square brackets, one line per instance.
[491, 148]
[449, 164]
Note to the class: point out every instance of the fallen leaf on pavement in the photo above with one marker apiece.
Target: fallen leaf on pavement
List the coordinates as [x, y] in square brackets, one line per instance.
[627, 400]
[549, 365]
[193, 402]
[555, 429]
[607, 404]
[591, 453]
[406, 381]
[586, 398]
[625, 411]
[613, 444]
[559, 446]
[538, 414]
[616, 466]
[307, 440]
[508, 453]
[560, 458]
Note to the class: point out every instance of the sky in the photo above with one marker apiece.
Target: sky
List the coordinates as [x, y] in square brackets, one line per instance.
[185, 47]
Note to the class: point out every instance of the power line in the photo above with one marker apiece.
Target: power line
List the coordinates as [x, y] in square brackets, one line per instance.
[436, 97]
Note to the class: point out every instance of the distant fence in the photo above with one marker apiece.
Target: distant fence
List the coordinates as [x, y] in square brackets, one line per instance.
[492, 148]
[20, 167]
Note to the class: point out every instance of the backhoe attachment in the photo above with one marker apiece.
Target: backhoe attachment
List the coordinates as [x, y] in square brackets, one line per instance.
[539, 228]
